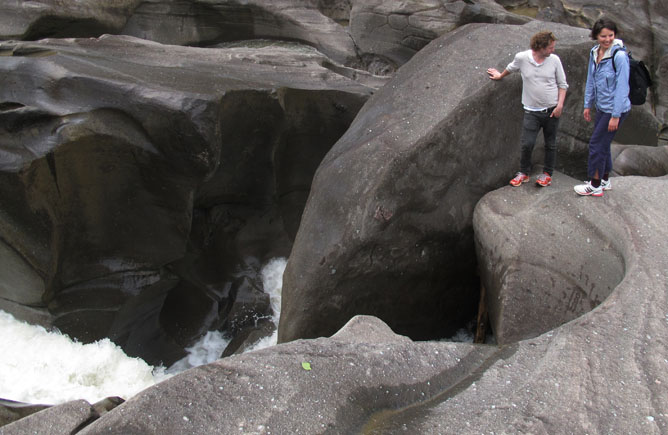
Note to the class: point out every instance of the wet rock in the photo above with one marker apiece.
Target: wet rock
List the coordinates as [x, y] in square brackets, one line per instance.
[138, 179]
[248, 336]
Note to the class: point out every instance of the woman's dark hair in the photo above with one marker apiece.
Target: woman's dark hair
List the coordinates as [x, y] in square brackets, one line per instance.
[603, 23]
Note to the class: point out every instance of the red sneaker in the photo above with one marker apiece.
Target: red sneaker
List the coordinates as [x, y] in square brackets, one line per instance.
[520, 178]
[544, 179]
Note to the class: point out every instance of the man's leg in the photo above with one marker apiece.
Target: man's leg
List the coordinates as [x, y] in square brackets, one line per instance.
[530, 127]
[550, 127]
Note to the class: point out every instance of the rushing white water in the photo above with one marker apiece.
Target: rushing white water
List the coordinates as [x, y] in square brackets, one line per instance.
[209, 348]
[37, 366]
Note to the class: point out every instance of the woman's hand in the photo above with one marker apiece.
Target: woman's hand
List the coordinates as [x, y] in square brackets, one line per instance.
[587, 115]
[613, 125]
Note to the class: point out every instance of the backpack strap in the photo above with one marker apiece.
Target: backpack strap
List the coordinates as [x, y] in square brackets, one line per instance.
[616, 49]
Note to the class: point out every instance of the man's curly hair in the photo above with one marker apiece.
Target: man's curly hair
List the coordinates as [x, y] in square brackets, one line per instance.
[541, 40]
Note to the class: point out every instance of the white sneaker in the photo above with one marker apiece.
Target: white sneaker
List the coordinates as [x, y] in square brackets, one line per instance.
[588, 190]
[606, 184]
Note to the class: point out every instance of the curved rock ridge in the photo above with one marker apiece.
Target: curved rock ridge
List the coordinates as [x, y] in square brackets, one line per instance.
[387, 229]
[362, 369]
[140, 178]
[62, 19]
[323, 25]
[539, 269]
[640, 160]
[197, 23]
[604, 372]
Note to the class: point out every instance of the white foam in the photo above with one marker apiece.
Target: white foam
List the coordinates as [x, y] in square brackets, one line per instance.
[211, 346]
[206, 350]
[37, 366]
[272, 283]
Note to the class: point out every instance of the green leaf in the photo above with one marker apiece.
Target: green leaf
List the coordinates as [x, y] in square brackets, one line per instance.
[306, 366]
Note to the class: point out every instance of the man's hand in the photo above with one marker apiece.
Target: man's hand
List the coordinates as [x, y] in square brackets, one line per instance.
[587, 115]
[556, 113]
[494, 74]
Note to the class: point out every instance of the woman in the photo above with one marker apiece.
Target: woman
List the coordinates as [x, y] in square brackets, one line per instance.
[608, 89]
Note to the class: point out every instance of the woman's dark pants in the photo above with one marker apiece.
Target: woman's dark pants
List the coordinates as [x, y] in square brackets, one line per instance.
[600, 158]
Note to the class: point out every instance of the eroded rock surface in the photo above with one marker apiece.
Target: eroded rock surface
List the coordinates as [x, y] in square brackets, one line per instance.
[145, 185]
[604, 371]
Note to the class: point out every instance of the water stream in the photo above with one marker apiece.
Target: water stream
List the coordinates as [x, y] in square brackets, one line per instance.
[38, 366]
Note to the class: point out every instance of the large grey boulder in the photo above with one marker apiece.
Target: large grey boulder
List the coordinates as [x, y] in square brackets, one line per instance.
[387, 229]
[145, 185]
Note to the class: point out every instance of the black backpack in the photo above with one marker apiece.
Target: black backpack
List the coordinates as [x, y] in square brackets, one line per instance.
[639, 78]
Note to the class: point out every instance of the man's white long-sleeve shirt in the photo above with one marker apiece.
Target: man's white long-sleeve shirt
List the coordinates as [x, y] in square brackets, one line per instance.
[540, 81]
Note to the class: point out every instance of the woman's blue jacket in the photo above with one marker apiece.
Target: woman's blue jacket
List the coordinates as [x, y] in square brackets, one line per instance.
[606, 88]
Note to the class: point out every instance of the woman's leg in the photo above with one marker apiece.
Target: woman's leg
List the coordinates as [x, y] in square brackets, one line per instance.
[599, 147]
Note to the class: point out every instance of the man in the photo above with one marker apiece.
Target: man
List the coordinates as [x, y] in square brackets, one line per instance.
[543, 94]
